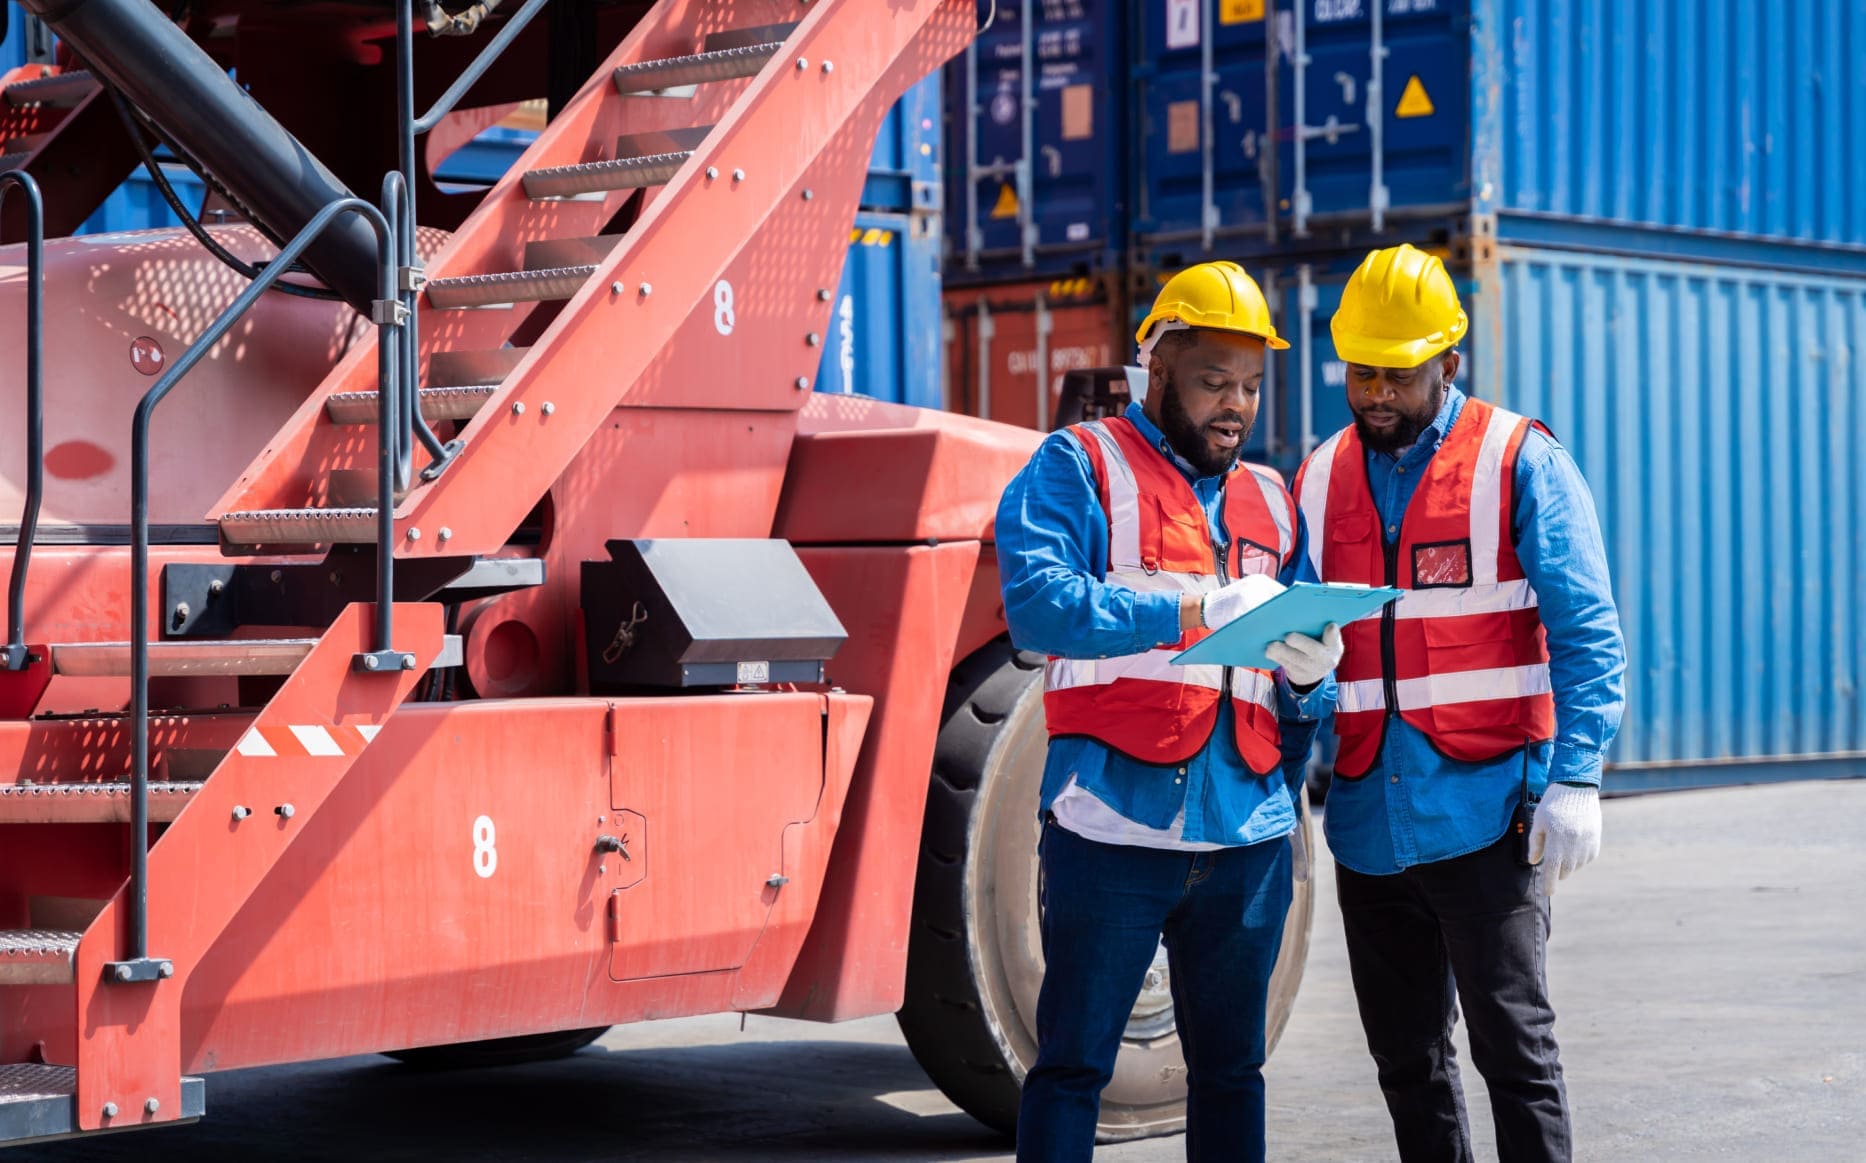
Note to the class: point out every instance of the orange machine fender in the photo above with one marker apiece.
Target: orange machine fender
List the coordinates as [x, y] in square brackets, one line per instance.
[891, 510]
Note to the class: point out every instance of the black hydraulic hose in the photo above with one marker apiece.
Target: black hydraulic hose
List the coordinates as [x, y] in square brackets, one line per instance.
[134, 47]
[162, 185]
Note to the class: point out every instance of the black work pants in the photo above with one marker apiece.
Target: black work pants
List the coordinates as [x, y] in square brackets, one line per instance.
[1473, 929]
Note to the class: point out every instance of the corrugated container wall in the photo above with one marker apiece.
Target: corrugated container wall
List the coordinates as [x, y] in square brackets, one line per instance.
[1186, 78]
[1037, 157]
[1717, 413]
[884, 328]
[1743, 118]
[1660, 127]
[1008, 345]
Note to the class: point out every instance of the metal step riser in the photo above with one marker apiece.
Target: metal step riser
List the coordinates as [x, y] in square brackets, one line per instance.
[61, 92]
[296, 527]
[91, 803]
[37, 957]
[601, 177]
[507, 288]
[176, 659]
[723, 65]
[436, 404]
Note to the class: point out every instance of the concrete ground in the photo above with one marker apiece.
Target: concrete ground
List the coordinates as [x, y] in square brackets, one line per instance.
[1709, 971]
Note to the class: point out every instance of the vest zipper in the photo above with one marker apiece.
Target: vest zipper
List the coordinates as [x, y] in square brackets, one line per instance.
[1219, 551]
[1389, 652]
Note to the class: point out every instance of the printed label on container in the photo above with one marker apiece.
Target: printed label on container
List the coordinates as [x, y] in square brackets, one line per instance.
[1182, 23]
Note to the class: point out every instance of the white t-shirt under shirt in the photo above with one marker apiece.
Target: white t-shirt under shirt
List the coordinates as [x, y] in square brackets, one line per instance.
[1084, 814]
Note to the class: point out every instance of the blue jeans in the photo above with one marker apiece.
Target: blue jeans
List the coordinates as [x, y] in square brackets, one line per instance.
[1106, 908]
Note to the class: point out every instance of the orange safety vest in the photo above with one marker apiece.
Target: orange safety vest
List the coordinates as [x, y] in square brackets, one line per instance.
[1462, 656]
[1159, 539]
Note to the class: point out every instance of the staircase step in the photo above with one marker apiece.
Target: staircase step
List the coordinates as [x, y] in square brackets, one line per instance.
[351, 526]
[26, 142]
[728, 55]
[507, 287]
[436, 404]
[466, 369]
[641, 159]
[88, 803]
[62, 91]
[171, 659]
[37, 956]
[41, 1102]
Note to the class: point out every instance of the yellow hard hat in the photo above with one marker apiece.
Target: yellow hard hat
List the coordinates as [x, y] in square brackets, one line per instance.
[1214, 295]
[1399, 309]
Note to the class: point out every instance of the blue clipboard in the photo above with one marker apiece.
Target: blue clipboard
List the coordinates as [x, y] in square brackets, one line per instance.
[1304, 608]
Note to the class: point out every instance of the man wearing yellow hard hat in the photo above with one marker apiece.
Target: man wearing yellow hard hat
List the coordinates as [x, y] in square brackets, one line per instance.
[1167, 794]
[1495, 680]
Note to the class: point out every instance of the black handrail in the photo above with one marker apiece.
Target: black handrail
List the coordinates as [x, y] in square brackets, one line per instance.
[139, 966]
[411, 126]
[15, 656]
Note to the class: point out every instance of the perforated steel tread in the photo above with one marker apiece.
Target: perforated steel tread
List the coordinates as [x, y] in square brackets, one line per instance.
[37, 956]
[169, 659]
[626, 173]
[38, 1103]
[339, 526]
[62, 91]
[436, 404]
[698, 68]
[508, 287]
[89, 803]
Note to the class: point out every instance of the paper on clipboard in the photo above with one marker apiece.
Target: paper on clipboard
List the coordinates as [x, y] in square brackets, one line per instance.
[1304, 608]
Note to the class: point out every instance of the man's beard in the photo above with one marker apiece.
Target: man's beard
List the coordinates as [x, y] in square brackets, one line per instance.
[1188, 439]
[1404, 434]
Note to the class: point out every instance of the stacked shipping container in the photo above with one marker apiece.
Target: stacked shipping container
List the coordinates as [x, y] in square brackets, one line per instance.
[1655, 216]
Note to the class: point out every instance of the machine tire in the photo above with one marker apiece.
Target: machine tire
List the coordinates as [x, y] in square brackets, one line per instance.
[974, 959]
[518, 1051]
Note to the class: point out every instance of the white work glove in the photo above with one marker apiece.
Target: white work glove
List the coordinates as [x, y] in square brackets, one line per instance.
[1306, 661]
[1229, 603]
[1566, 834]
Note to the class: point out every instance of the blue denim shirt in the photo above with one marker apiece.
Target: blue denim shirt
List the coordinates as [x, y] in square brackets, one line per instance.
[1415, 806]
[1052, 540]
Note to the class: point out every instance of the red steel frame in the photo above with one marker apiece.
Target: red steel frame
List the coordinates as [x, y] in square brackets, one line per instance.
[443, 877]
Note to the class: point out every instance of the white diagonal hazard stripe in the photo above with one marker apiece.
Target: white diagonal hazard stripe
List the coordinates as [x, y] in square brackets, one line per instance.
[368, 731]
[316, 740]
[254, 745]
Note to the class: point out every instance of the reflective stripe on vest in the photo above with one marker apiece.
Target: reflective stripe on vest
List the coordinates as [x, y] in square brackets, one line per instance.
[1159, 540]
[1470, 661]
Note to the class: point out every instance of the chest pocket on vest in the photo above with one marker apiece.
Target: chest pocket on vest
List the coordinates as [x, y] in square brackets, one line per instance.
[1355, 553]
[1175, 540]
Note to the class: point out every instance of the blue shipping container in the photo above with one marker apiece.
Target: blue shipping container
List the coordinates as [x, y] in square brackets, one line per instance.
[14, 49]
[138, 205]
[904, 170]
[884, 327]
[1583, 124]
[1036, 157]
[1717, 413]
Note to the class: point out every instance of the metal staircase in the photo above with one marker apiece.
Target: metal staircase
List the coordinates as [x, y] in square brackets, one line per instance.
[679, 217]
[736, 154]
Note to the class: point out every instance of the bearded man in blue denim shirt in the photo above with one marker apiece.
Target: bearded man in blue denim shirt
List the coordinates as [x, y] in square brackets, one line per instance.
[1495, 680]
[1167, 794]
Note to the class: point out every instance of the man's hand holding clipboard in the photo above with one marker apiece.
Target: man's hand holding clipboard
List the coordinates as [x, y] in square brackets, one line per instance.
[1304, 608]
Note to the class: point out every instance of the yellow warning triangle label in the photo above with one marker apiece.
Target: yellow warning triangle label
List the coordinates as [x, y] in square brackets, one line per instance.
[1413, 102]
[1007, 203]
